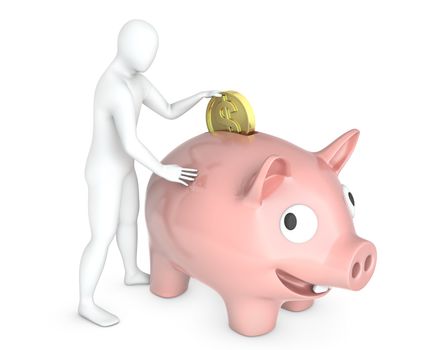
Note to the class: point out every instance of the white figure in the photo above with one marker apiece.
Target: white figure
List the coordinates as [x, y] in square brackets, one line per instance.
[113, 201]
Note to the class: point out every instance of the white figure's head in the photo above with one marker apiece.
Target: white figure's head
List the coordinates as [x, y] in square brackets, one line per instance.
[137, 45]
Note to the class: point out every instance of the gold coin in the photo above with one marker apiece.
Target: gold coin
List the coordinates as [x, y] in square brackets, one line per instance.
[230, 112]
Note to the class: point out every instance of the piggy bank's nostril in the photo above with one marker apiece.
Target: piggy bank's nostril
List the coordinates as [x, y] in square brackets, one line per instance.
[355, 270]
[368, 262]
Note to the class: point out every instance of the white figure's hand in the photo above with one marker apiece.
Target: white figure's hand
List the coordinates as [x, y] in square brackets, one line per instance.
[213, 93]
[175, 173]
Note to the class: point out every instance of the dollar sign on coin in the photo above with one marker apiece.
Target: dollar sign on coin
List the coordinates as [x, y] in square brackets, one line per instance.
[230, 112]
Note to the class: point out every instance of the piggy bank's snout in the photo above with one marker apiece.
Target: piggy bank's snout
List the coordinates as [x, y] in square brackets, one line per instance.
[351, 264]
[362, 265]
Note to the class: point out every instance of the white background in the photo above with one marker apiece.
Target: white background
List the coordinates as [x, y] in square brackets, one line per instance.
[311, 70]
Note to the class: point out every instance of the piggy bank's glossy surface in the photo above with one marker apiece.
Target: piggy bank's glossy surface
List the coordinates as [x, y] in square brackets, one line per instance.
[266, 224]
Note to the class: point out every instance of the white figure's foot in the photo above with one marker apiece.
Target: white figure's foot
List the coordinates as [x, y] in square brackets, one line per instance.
[139, 277]
[97, 315]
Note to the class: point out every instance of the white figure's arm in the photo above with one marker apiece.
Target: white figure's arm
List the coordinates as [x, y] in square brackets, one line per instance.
[125, 122]
[155, 101]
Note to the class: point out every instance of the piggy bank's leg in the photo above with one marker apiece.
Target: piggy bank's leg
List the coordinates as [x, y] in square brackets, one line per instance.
[252, 317]
[127, 231]
[103, 211]
[297, 305]
[166, 280]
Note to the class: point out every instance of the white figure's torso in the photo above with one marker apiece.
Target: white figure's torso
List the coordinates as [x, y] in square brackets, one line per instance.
[107, 153]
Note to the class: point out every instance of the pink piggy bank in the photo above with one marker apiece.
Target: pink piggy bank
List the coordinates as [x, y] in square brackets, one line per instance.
[266, 224]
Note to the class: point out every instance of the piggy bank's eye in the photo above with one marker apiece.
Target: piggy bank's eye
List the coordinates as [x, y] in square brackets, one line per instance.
[349, 199]
[298, 223]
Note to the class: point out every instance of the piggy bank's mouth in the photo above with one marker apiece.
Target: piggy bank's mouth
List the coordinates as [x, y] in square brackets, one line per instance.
[298, 286]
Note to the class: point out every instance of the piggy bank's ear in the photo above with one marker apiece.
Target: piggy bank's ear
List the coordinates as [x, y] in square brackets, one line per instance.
[267, 179]
[337, 153]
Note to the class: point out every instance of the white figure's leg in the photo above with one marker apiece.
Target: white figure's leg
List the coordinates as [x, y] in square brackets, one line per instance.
[103, 212]
[127, 231]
